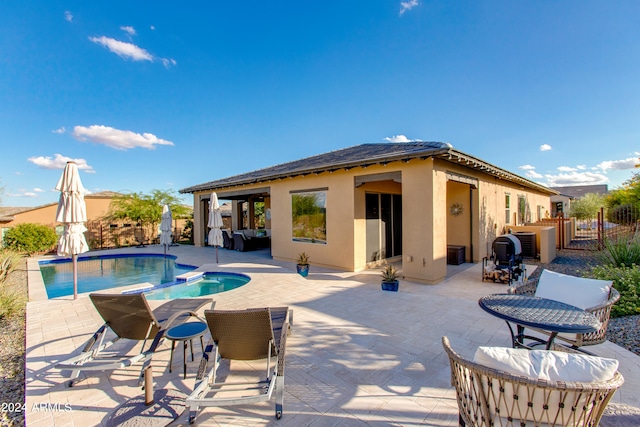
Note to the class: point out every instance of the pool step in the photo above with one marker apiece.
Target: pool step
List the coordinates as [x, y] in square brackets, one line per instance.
[188, 277]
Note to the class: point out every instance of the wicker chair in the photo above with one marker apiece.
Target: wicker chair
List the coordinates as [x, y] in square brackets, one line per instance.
[488, 397]
[602, 313]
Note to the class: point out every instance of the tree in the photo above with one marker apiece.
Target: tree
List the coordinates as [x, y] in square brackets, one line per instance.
[586, 207]
[146, 209]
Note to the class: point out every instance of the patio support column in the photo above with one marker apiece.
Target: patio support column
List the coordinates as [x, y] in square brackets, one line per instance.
[424, 197]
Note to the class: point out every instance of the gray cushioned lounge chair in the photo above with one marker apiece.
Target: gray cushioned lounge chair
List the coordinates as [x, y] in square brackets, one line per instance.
[252, 334]
[128, 316]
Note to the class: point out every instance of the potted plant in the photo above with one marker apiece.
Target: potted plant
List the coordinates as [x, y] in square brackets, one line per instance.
[302, 265]
[390, 278]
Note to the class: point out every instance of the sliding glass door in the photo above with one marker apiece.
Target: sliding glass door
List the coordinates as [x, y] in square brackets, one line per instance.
[383, 226]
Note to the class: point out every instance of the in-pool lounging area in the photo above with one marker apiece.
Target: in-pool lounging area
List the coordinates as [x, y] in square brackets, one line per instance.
[96, 273]
[356, 355]
[206, 284]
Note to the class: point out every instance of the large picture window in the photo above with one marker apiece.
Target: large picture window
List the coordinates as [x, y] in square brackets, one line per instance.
[309, 216]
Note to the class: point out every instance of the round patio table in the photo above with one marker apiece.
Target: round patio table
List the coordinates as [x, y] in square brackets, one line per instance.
[538, 313]
[185, 332]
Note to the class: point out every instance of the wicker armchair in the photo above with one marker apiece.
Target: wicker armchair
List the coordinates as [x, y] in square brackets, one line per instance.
[602, 313]
[489, 398]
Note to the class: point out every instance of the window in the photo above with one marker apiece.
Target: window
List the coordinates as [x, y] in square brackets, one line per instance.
[507, 208]
[522, 209]
[309, 216]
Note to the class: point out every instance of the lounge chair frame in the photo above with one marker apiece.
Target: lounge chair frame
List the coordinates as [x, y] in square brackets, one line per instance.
[129, 316]
[481, 390]
[251, 334]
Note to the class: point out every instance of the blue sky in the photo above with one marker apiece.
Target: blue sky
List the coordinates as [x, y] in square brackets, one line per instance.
[163, 95]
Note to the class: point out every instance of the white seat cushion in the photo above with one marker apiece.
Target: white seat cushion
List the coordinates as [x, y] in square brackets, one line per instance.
[539, 364]
[577, 291]
[547, 365]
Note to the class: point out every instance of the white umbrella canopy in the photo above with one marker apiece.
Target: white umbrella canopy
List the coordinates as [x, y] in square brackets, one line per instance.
[165, 227]
[215, 223]
[72, 212]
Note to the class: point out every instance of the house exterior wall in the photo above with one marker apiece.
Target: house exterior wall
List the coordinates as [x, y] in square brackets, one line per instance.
[45, 215]
[427, 225]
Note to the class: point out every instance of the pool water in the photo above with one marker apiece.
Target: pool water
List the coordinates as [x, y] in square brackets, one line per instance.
[211, 283]
[109, 271]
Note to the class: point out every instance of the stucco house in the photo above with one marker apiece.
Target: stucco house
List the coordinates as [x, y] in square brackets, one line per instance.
[371, 203]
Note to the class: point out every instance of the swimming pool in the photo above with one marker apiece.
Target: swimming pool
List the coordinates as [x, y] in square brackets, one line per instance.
[210, 283]
[97, 273]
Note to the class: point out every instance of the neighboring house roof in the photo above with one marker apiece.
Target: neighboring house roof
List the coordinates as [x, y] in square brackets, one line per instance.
[577, 191]
[364, 155]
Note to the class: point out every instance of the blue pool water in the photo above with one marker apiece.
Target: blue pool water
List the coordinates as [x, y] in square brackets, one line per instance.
[211, 283]
[109, 271]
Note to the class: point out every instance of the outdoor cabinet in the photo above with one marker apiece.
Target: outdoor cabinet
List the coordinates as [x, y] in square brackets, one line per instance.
[455, 254]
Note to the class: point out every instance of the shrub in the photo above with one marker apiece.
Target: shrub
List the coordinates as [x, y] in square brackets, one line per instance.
[30, 238]
[11, 303]
[627, 281]
[9, 261]
[621, 250]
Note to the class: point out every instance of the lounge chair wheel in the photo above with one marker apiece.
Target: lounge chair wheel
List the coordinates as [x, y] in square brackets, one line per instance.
[278, 415]
[192, 419]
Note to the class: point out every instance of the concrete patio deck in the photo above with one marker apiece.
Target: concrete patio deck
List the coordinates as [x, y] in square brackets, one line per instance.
[357, 356]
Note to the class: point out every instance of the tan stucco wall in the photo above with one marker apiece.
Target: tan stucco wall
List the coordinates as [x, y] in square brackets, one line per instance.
[45, 215]
[428, 226]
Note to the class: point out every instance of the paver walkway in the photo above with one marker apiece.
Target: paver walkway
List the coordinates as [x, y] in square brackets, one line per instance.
[358, 356]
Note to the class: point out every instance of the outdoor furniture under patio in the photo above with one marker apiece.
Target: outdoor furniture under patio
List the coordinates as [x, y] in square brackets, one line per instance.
[242, 335]
[592, 295]
[518, 387]
[227, 240]
[129, 316]
[242, 243]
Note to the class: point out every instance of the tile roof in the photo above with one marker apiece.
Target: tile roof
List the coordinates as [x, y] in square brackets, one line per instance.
[358, 156]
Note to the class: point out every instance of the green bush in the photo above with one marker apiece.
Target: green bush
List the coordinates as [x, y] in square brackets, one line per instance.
[30, 238]
[620, 251]
[627, 281]
[9, 261]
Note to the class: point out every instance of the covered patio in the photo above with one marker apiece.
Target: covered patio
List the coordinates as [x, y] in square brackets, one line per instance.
[357, 355]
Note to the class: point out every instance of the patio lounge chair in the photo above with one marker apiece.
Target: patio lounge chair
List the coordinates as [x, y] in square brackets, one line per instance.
[128, 316]
[227, 239]
[252, 334]
[592, 295]
[489, 396]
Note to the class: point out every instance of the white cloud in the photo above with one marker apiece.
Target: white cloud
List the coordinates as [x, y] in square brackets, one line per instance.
[581, 167]
[58, 162]
[545, 147]
[526, 167]
[168, 62]
[619, 165]
[398, 138]
[566, 169]
[152, 28]
[576, 178]
[116, 138]
[59, 130]
[68, 16]
[38, 190]
[533, 174]
[129, 30]
[123, 49]
[407, 5]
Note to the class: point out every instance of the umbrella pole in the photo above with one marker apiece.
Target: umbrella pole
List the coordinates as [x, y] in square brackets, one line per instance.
[216, 255]
[74, 258]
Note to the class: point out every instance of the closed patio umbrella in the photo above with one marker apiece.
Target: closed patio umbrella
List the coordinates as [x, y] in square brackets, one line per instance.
[72, 212]
[165, 228]
[215, 223]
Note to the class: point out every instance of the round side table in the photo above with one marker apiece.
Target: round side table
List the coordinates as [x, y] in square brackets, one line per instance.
[185, 332]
